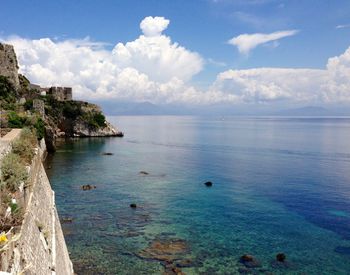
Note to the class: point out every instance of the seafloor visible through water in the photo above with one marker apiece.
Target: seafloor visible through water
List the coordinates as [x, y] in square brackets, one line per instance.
[280, 185]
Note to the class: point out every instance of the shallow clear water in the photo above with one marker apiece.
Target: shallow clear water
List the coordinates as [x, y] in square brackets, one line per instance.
[279, 185]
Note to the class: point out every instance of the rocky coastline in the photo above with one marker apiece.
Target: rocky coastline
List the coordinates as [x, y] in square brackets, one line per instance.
[51, 110]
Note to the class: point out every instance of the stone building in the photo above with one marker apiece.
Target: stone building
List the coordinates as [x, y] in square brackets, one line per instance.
[8, 64]
[39, 106]
[61, 93]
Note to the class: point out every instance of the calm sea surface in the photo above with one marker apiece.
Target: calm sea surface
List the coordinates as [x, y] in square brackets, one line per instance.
[279, 185]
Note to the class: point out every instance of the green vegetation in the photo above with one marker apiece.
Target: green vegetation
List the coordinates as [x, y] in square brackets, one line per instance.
[40, 128]
[68, 109]
[28, 105]
[71, 109]
[75, 110]
[23, 81]
[65, 114]
[15, 120]
[24, 146]
[13, 172]
[95, 120]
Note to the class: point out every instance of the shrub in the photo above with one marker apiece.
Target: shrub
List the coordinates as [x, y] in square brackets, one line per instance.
[28, 135]
[14, 120]
[71, 110]
[95, 120]
[24, 146]
[23, 81]
[40, 128]
[13, 172]
[100, 119]
[28, 105]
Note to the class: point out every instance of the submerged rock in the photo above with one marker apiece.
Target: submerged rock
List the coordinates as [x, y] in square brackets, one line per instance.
[281, 257]
[87, 187]
[144, 173]
[172, 270]
[67, 220]
[184, 263]
[165, 250]
[208, 184]
[250, 261]
[107, 154]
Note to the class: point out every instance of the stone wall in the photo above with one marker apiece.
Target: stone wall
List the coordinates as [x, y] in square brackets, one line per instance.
[38, 248]
[61, 93]
[8, 64]
[39, 106]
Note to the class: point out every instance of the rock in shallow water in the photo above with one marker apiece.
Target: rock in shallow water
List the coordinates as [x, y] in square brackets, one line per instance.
[107, 154]
[281, 257]
[184, 263]
[208, 184]
[87, 187]
[144, 173]
[164, 250]
[66, 220]
[250, 261]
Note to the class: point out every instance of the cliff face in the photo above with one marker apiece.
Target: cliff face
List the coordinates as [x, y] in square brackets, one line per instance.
[75, 119]
[8, 64]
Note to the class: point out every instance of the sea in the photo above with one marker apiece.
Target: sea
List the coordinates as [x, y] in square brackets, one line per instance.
[279, 185]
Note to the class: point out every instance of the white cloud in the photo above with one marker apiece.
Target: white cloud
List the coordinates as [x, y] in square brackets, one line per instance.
[273, 85]
[153, 26]
[158, 57]
[247, 42]
[155, 69]
[149, 68]
[342, 26]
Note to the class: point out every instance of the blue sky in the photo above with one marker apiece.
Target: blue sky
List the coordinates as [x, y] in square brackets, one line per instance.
[204, 26]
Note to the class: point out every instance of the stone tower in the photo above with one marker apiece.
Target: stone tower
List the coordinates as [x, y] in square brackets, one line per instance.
[8, 64]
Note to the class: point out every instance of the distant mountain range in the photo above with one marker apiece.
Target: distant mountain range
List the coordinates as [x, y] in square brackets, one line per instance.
[307, 111]
[147, 108]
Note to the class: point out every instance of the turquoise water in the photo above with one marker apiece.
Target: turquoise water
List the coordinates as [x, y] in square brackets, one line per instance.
[279, 185]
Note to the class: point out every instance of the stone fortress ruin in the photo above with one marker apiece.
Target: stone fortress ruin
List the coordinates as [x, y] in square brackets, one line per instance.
[61, 93]
[58, 93]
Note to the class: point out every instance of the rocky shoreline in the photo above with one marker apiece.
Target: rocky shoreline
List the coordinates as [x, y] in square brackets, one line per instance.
[51, 110]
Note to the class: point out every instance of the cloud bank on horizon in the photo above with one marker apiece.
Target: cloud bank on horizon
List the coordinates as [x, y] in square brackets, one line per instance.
[154, 68]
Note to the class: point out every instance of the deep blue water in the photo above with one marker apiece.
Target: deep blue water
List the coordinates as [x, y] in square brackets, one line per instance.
[279, 185]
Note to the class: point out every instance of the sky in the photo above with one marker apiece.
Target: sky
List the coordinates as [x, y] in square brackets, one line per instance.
[244, 54]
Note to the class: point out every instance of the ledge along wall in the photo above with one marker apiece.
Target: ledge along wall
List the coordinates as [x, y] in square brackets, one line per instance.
[39, 247]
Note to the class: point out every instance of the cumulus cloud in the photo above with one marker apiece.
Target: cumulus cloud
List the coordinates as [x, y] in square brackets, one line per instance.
[247, 42]
[158, 57]
[153, 26]
[151, 67]
[155, 69]
[272, 85]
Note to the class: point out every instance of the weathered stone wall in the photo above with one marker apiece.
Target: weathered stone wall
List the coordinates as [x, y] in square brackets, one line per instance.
[39, 106]
[39, 247]
[8, 64]
[61, 93]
